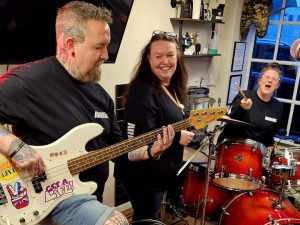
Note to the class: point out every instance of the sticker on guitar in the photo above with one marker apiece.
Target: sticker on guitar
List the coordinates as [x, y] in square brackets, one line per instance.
[58, 189]
[7, 171]
[18, 194]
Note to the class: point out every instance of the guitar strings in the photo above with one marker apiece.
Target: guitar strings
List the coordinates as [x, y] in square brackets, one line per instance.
[104, 155]
[88, 158]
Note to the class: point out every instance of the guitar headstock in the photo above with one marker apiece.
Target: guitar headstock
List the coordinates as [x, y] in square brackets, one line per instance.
[200, 118]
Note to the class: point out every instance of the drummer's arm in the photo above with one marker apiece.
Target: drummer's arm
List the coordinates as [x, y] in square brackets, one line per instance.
[236, 110]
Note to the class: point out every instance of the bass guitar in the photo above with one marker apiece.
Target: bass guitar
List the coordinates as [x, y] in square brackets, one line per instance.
[27, 200]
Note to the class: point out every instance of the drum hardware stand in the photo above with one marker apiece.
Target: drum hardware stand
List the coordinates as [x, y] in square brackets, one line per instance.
[197, 209]
[211, 137]
[283, 171]
[193, 156]
[177, 213]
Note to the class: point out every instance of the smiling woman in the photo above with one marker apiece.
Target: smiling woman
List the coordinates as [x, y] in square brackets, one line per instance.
[156, 97]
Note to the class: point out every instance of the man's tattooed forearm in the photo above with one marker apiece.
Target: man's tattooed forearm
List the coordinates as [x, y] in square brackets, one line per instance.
[14, 146]
[24, 154]
[4, 131]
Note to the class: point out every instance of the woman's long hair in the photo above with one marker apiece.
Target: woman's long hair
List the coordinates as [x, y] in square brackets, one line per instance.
[142, 70]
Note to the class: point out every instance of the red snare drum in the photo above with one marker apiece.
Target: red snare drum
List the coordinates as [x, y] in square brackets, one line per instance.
[256, 208]
[239, 164]
[193, 193]
[286, 157]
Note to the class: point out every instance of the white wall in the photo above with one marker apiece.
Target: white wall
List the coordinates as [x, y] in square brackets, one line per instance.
[147, 16]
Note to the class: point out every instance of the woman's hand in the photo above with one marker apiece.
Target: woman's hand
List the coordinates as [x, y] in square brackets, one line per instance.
[186, 137]
[246, 103]
[163, 142]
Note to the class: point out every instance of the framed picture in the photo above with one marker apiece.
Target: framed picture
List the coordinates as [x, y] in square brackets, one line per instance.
[232, 89]
[238, 56]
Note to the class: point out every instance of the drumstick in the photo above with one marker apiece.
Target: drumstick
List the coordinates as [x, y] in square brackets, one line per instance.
[240, 91]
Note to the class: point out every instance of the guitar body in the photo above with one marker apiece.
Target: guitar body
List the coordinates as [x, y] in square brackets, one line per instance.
[23, 201]
[26, 200]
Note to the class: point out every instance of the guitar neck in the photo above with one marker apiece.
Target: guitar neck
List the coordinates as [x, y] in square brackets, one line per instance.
[91, 159]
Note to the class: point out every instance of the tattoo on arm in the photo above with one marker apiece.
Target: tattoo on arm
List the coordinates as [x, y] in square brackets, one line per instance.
[4, 131]
[138, 154]
[25, 154]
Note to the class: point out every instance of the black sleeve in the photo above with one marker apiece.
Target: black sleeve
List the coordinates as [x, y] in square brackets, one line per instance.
[115, 131]
[141, 114]
[13, 100]
[142, 111]
[236, 110]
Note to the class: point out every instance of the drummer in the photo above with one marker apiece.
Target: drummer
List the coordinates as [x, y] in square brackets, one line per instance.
[259, 108]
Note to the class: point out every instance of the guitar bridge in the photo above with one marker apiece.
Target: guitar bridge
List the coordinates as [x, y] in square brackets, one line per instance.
[3, 199]
[36, 182]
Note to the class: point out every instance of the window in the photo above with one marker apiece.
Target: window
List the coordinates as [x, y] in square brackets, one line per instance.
[283, 30]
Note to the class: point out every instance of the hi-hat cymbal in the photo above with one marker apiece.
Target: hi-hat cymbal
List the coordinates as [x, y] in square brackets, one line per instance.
[227, 119]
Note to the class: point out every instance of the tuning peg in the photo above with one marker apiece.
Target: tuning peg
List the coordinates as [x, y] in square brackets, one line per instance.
[219, 101]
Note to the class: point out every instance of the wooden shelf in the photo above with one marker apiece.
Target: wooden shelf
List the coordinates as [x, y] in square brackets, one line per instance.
[195, 21]
[201, 55]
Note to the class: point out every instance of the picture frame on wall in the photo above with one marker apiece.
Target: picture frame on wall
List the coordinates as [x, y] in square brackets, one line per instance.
[232, 89]
[238, 56]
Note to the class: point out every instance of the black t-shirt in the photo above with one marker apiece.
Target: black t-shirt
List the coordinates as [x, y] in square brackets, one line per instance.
[147, 109]
[265, 116]
[44, 102]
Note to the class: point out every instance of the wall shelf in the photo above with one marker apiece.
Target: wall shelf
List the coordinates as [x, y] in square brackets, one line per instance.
[201, 55]
[194, 20]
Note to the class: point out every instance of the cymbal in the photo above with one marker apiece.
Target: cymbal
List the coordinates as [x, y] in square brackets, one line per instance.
[200, 157]
[227, 119]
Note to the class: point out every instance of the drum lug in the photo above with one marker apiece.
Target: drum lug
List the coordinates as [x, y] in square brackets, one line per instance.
[250, 193]
[250, 172]
[223, 170]
[267, 160]
[294, 165]
[224, 211]
[253, 149]
[263, 179]
[210, 200]
[270, 218]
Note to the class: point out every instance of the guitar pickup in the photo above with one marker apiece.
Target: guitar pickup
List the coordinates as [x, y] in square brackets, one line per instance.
[3, 199]
[36, 182]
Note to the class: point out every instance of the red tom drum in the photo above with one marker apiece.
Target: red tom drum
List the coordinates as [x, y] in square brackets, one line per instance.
[239, 164]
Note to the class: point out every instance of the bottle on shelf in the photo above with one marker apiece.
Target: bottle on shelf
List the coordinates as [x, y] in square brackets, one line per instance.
[196, 9]
[213, 46]
[188, 9]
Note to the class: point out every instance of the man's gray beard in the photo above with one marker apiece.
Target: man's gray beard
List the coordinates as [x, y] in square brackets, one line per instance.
[94, 75]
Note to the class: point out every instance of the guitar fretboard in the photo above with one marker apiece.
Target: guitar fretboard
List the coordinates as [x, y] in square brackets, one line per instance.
[198, 119]
[91, 159]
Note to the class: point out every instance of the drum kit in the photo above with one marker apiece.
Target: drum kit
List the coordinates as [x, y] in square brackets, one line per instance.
[242, 183]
